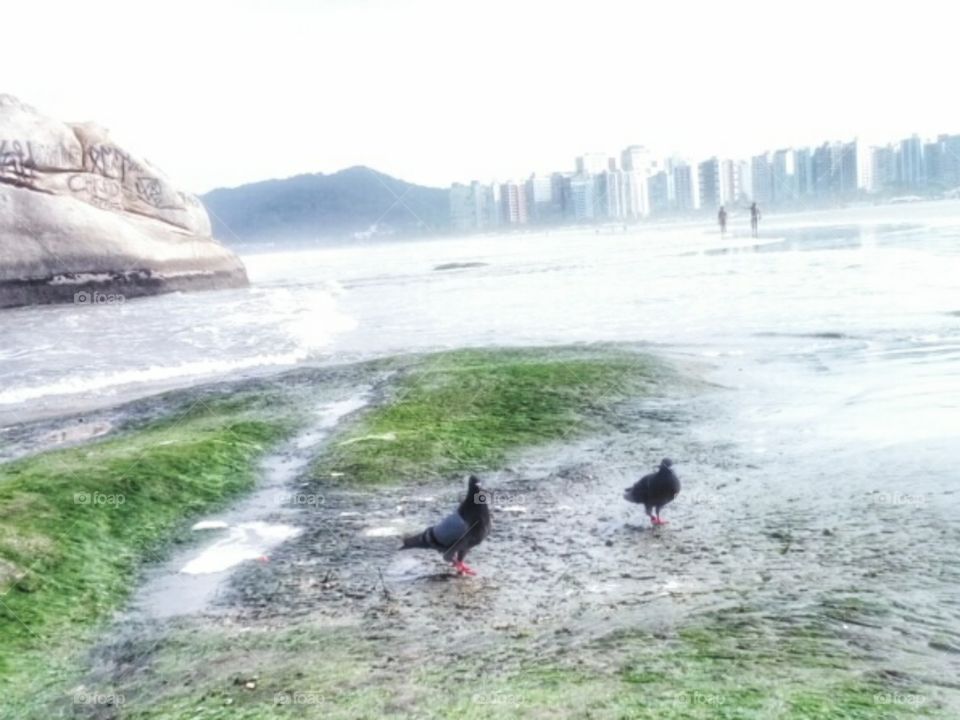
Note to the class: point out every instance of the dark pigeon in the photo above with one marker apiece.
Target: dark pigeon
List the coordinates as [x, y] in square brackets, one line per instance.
[459, 532]
[655, 490]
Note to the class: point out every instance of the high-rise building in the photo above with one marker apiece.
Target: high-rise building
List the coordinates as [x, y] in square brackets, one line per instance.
[744, 173]
[487, 198]
[513, 203]
[849, 168]
[950, 162]
[582, 189]
[611, 193]
[836, 170]
[730, 189]
[822, 170]
[683, 187]
[493, 211]
[910, 166]
[864, 162]
[557, 182]
[710, 182]
[463, 214]
[762, 178]
[719, 183]
[569, 213]
[542, 206]
[783, 177]
[933, 163]
[638, 165]
[803, 169]
[474, 206]
[636, 197]
[600, 195]
[885, 173]
[658, 192]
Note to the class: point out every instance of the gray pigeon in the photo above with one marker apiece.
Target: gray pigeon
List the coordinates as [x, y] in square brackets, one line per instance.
[459, 532]
[655, 490]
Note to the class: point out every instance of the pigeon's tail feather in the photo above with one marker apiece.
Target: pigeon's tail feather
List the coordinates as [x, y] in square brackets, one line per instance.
[636, 493]
[419, 540]
[443, 535]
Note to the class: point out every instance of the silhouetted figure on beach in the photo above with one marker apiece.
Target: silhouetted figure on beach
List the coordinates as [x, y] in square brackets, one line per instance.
[722, 219]
[754, 218]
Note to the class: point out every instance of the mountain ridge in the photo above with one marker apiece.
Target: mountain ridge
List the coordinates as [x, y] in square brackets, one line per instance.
[357, 201]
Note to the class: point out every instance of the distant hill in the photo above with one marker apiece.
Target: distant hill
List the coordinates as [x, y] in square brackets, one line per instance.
[356, 202]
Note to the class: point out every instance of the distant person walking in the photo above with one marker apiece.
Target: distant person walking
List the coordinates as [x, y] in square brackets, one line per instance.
[722, 219]
[754, 218]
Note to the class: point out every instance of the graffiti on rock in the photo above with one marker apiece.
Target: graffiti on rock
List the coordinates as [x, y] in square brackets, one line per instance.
[150, 190]
[16, 161]
[110, 161]
[97, 190]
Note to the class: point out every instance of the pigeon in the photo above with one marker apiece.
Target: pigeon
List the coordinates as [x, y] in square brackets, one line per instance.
[655, 490]
[459, 532]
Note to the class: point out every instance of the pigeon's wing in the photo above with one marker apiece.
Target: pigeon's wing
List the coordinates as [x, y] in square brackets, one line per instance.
[640, 490]
[449, 530]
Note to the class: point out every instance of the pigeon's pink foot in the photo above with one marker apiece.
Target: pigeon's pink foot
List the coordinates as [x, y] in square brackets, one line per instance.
[462, 569]
[662, 522]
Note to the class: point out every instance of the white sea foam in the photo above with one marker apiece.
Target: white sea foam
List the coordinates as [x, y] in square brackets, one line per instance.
[169, 340]
[102, 381]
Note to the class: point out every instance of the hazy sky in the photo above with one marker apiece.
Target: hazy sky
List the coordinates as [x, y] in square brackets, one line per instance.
[221, 93]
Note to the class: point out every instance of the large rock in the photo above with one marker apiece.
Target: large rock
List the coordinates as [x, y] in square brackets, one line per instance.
[82, 219]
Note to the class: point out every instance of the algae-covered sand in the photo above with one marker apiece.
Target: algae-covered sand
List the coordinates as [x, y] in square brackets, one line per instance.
[579, 609]
[76, 524]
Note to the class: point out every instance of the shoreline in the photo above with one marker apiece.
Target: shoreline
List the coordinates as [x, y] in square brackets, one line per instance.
[65, 427]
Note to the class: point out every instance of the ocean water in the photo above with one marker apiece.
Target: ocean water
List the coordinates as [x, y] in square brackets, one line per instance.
[859, 306]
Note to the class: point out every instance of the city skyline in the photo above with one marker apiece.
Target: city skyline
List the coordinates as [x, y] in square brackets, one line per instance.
[593, 155]
[636, 183]
[432, 91]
